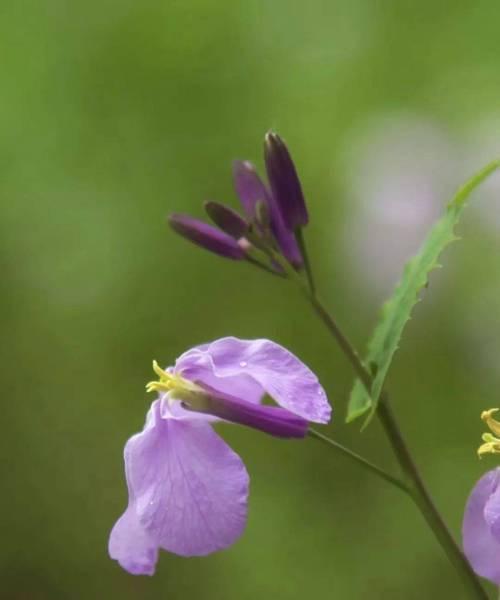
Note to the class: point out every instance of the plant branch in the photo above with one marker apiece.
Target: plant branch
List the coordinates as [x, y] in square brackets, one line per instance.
[360, 460]
[416, 487]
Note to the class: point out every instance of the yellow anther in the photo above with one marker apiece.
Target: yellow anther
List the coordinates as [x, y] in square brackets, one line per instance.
[492, 423]
[491, 445]
[168, 382]
[159, 371]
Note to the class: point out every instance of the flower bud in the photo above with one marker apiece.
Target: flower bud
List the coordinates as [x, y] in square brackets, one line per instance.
[285, 183]
[248, 186]
[226, 219]
[206, 236]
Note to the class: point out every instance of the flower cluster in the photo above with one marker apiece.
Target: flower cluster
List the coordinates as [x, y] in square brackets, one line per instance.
[187, 489]
[272, 214]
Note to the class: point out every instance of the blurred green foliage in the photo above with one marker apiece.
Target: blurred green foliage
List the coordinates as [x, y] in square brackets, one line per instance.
[113, 114]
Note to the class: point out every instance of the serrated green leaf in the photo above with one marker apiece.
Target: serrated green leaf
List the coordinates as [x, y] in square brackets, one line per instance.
[397, 310]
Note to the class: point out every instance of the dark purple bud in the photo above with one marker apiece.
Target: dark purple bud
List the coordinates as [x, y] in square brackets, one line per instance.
[249, 186]
[251, 191]
[206, 236]
[227, 219]
[284, 181]
[274, 420]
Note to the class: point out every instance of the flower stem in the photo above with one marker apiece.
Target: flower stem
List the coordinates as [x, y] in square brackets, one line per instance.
[299, 236]
[360, 460]
[414, 484]
[424, 502]
[416, 487]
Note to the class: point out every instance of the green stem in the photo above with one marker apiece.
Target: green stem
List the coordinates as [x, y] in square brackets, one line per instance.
[264, 267]
[299, 236]
[360, 460]
[417, 489]
[424, 501]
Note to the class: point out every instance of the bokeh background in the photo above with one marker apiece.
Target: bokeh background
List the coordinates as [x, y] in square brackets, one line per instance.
[113, 114]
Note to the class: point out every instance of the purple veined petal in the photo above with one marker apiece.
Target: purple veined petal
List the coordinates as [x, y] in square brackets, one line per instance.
[492, 512]
[132, 546]
[206, 236]
[187, 488]
[481, 546]
[281, 374]
[197, 365]
[284, 181]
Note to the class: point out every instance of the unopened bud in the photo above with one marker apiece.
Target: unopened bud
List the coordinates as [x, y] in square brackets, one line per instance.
[227, 219]
[206, 236]
[284, 181]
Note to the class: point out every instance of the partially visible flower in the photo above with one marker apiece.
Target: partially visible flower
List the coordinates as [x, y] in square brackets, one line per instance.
[271, 217]
[481, 527]
[187, 489]
[481, 524]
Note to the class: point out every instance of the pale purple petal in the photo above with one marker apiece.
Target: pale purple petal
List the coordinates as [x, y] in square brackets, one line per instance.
[132, 546]
[279, 373]
[481, 543]
[492, 512]
[187, 488]
[197, 365]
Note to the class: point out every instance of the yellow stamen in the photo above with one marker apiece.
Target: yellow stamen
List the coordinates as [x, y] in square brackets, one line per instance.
[168, 382]
[492, 423]
[491, 445]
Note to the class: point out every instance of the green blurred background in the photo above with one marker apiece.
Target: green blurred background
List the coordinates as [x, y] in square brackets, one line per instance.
[113, 114]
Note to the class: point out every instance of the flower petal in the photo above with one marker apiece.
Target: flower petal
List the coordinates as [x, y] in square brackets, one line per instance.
[281, 374]
[197, 365]
[131, 545]
[492, 512]
[187, 488]
[481, 545]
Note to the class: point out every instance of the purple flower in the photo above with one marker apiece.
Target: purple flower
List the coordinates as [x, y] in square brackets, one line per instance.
[187, 489]
[270, 217]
